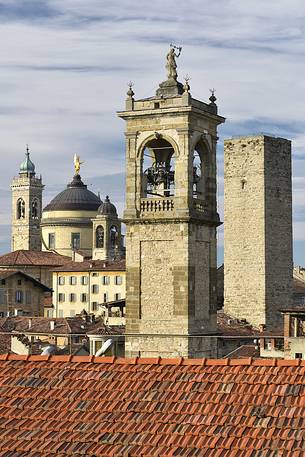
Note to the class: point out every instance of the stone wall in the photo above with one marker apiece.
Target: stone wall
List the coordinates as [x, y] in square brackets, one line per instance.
[258, 229]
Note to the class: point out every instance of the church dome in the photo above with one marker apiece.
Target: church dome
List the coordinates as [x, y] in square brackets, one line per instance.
[107, 208]
[76, 197]
[27, 166]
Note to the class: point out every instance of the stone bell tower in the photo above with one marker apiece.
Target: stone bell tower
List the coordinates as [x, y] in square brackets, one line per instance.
[26, 207]
[107, 239]
[171, 219]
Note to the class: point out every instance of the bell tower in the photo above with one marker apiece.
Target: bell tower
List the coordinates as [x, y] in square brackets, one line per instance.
[171, 219]
[107, 238]
[26, 207]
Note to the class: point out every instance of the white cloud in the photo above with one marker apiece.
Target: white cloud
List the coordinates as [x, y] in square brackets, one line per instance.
[65, 65]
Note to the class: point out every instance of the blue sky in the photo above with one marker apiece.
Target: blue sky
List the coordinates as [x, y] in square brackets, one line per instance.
[65, 66]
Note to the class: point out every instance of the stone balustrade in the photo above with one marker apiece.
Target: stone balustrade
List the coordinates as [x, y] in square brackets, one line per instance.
[156, 205]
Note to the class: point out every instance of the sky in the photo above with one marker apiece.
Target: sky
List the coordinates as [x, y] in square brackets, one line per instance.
[65, 66]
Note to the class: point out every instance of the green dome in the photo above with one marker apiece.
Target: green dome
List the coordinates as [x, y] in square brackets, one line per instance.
[27, 166]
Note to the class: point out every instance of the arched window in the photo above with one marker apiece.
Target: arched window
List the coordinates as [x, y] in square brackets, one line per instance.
[34, 209]
[99, 237]
[113, 236]
[200, 171]
[158, 168]
[20, 208]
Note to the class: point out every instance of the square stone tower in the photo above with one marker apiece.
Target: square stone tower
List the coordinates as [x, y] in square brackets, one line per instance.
[258, 228]
[171, 219]
[26, 208]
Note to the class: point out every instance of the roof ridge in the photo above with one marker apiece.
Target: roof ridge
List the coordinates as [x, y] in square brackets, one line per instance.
[156, 360]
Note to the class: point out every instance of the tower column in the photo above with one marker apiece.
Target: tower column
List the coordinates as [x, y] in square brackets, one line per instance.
[171, 221]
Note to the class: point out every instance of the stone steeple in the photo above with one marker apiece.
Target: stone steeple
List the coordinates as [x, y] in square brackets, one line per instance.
[26, 207]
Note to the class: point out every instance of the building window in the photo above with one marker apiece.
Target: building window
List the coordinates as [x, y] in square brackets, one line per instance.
[61, 280]
[2, 297]
[118, 280]
[61, 297]
[72, 298]
[28, 297]
[34, 209]
[3, 282]
[19, 296]
[279, 344]
[106, 280]
[20, 208]
[117, 297]
[113, 236]
[75, 240]
[298, 355]
[84, 280]
[51, 241]
[83, 298]
[105, 298]
[95, 289]
[99, 237]
[19, 282]
[60, 313]
[1, 314]
[94, 305]
[267, 344]
[73, 280]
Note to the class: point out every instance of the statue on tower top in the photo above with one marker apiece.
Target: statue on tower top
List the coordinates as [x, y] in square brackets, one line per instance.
[77, 164]
[171, 65]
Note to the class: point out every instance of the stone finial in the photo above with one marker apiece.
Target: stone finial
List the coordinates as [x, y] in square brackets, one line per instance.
[213, 98]
[130, 92]
[186, 87]
[130, 100]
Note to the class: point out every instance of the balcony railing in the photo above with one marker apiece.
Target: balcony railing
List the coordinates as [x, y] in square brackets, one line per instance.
[157, 205]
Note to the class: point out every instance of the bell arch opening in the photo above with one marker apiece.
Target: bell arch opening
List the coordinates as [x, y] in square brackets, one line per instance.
[158, 169]
[200, 171]
[34, 209]
[114, 233]
[99, 237]
[20, 208]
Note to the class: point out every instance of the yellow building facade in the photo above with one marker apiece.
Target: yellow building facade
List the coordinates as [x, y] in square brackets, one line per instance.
[87, 286]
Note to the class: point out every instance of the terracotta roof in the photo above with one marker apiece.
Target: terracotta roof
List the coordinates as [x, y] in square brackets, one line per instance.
[62, 325]
[244, 351]
[93, 265]
[102, 406]
[103, 329]
[229, 326]
[39, 258]
[7, 273]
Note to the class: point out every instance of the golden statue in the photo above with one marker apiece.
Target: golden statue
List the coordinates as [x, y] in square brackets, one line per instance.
[77, 164]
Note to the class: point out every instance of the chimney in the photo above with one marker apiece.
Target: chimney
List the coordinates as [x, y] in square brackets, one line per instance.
[30, 323]
[52, 325]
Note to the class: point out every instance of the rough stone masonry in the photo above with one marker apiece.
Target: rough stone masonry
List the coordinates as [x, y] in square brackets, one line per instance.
[258, 228]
